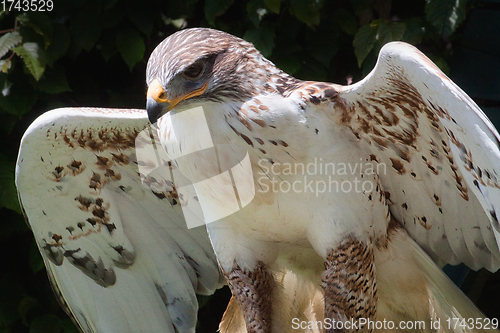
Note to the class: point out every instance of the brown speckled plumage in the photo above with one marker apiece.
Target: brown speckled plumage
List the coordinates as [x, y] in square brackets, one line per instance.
[349, 282]
[253, 290]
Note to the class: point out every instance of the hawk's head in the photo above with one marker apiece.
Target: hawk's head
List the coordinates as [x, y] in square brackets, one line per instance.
[203, 64]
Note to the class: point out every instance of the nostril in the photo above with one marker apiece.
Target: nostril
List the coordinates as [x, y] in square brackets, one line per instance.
[162, 97]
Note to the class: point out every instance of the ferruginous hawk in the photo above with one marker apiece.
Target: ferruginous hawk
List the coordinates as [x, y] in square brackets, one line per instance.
[330, 207]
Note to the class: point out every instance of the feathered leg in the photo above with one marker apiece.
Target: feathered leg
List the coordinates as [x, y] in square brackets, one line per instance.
[253, 292]
[349, 286]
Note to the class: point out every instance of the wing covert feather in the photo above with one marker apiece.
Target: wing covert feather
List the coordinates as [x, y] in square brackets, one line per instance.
[94, 210]
[440, 151]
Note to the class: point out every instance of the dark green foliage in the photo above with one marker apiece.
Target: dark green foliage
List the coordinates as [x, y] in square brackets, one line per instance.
[445, 15]
[8, 197]
[131, 46]
[94, 53]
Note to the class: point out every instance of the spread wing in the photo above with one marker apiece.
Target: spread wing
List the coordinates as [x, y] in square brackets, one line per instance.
[110, 225]
[438, 155]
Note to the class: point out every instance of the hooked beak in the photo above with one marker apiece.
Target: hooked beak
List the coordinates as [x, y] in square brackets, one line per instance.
[158, 104]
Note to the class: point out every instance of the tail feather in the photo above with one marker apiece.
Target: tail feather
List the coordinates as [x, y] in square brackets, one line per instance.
[447, 303]
[414, 290]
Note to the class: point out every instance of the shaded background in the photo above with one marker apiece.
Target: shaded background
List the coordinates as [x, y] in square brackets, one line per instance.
[94, 53]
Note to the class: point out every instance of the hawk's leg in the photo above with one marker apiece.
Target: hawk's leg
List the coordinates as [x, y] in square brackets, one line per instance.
[349, 285]
[253, 291]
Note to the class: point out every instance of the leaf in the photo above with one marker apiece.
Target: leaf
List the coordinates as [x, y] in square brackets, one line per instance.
[346, 20]
[140, 15]
[289, 64]
[307, 11]
[40, 23]
[262, 38]
[312, 70]
[31, 36]
[84, 31]
[60, 44]
[214, 8]
[364, 40]
[378, 32]
[441, 63]
[388, 32]
[131, 46]
[33, 57]
[415, 30]
[273, 5]
[111, 18]
[5, 85]
[17, 98]
[5, 65]
[256, 11]
[8, 191]
[322, 44]
[107, 45]
[184, 9]
[445, 15]
[8, 41]
[54, 81]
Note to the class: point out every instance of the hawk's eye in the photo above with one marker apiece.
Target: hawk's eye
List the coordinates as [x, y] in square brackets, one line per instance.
[194, 71]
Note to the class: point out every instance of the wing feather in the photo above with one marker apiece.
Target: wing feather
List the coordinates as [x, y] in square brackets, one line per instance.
[96, 209]
[441, 154]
